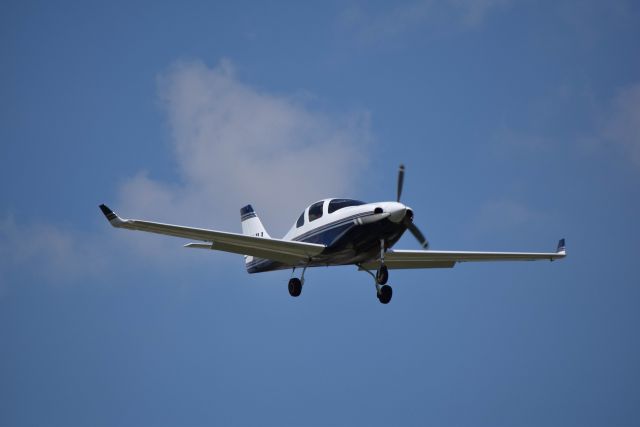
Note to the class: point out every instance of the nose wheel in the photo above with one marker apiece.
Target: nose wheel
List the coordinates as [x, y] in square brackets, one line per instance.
[384, 291]
[384, 294]
[382, 275]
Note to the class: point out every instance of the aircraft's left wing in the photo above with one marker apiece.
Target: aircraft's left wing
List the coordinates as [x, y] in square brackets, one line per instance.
[285, 251]
[396, 259]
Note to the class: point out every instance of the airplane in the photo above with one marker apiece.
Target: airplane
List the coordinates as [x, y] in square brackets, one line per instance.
[332, 232]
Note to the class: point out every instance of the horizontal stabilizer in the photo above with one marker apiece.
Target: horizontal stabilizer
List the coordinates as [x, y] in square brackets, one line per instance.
[199, 245]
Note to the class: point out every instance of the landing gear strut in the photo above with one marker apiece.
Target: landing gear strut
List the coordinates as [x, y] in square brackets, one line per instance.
[382, 275]
[384, 291]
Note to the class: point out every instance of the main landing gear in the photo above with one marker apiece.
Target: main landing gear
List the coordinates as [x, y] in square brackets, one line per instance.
[295, 287]
[295, 284]
[384, 291]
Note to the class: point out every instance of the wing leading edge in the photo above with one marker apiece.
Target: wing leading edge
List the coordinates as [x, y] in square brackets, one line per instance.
[285, 251]
[400, 259]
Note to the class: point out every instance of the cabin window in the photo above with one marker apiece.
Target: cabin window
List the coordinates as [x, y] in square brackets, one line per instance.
[336, 204]
[315, 211]
[300, 222]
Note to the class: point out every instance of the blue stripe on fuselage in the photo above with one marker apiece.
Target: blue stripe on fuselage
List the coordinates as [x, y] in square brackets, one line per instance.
[324, 235]
[327, 235]
[311, 235]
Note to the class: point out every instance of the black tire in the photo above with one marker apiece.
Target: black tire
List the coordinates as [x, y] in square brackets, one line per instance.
[382, 275]
[295, 287]
[385, 294]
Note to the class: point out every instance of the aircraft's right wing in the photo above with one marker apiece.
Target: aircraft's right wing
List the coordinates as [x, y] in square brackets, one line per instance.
[396, 259]
[285, 251]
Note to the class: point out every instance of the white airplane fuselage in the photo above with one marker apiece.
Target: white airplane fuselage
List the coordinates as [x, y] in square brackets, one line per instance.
[351, 234]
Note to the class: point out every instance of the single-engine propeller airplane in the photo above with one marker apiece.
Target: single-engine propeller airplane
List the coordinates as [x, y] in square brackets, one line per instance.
[332, 232]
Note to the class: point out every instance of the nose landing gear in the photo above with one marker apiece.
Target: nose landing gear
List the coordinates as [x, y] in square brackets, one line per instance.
[382, 275]
[384, 292]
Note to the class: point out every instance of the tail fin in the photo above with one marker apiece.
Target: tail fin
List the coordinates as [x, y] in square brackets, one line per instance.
[561, 247]
[251, 224]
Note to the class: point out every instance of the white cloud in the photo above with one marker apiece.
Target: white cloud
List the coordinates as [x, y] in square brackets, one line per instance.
[367, 26]
[621, 125]
[508, 141]
[611, 125]
[592, 20]
[233, 145]
[474, 12]
[49, 252]
[502, 216]
[434, 16]
[236, 145]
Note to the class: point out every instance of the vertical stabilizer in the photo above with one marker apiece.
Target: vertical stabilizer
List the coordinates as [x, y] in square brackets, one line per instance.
[251, 224]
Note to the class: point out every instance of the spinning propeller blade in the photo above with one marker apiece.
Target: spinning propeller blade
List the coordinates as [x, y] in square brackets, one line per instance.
[400, 181]
[409, 219]
[418, 235]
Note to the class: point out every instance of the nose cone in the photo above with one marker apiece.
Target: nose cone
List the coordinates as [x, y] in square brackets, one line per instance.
[397, 211]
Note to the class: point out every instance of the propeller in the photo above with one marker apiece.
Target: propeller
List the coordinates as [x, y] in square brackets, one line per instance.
[400, 181]
[418, 235]
[408, 219]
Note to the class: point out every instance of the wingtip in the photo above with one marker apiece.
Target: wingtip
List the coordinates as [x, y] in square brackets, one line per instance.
[108, 213]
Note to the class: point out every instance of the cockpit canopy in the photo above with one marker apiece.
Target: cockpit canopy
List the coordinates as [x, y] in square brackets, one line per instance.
[335, 204]
[316, 210]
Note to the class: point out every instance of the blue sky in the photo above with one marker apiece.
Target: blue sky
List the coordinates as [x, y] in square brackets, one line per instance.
[518, 123]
